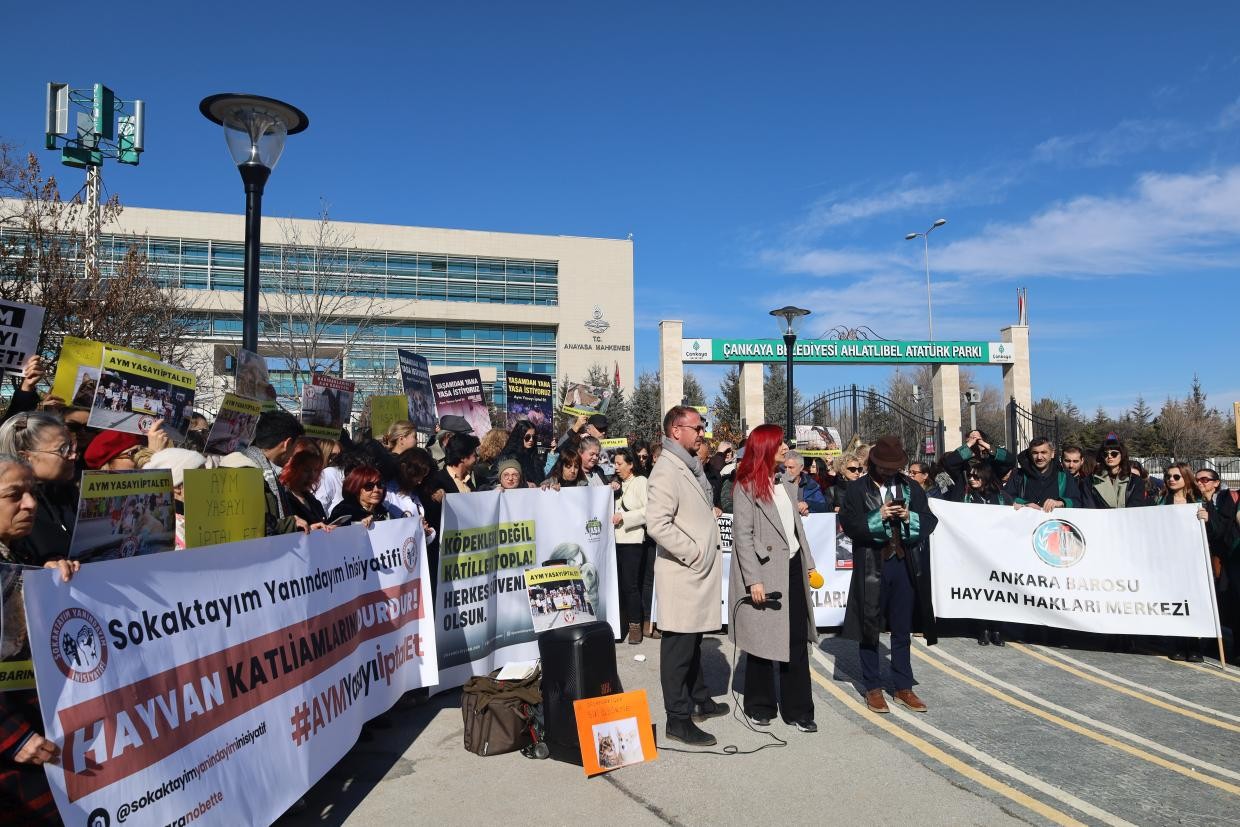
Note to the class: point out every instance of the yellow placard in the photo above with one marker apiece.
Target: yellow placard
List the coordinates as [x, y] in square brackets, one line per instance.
[384, 410]
[223, 505]
[132, 363]
[76, 354]
[612, 444]
[551, 574]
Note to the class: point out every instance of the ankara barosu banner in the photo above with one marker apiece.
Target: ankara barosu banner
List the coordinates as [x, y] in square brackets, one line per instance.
[486, 543]
[1136, 571]
[217, 685]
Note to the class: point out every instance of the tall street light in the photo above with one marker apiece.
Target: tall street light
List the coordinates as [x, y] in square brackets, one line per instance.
[789, 315]
[255, 128]
[926, 237]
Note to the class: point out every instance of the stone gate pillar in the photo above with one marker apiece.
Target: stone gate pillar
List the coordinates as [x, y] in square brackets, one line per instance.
[671, 365]
[945, 382]
[752, 396]
[1017, 383]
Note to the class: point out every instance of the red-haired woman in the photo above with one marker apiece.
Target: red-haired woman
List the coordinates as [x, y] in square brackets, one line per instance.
[300, 477]
[770, 553]
[363, 495]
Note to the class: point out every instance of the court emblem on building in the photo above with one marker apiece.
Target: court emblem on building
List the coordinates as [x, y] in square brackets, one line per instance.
[1059, 543]
[597, 324]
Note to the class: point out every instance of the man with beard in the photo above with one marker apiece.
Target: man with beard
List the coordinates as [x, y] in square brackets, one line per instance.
[1039, 482]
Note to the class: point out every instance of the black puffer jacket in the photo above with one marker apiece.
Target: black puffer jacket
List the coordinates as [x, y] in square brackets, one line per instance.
[1029, 485]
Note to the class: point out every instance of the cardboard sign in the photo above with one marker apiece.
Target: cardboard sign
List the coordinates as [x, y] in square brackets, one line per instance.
[20, 328]
[558, 598]
[133, 391]
[253, 381]
[531, 398]
[77, 369]
[415, 377]
[325, 405]
[123, 514]
[384, 410]
[223, 505]
[614, 731]
[586, 400]
[233, 429]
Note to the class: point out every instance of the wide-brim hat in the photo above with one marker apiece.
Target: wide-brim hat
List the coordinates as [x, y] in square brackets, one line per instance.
[888, 452]
[456, 424]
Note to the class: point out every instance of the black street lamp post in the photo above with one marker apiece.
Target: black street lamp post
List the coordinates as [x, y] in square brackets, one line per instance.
[789, 315]
[255, 128]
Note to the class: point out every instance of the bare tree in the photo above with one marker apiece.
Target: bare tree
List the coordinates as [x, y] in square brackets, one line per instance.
[125, 302]
[318, 307]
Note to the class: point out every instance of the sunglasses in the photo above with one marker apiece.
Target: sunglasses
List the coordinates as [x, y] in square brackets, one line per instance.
[1112, 453]
[369, 486]
[973, 475]
[528, 437]
[856, 469]
[1176, 477]
[699, 428]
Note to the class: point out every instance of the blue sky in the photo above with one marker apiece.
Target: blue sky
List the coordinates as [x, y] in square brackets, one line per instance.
[759, 154]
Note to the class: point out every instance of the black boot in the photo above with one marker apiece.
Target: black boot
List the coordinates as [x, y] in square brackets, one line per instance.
[687, 732]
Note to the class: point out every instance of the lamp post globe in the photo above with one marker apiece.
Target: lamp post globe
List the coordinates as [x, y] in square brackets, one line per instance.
[789, 315]
[255, 128]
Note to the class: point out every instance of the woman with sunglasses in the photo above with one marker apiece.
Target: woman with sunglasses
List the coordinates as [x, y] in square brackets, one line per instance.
[848, 467]
[523, 447]
[982, 487]
[1180, 488]
[43, 441]
[362, 498]
[1113, 484]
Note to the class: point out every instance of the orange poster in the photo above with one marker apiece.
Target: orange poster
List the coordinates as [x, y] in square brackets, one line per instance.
[614, 731]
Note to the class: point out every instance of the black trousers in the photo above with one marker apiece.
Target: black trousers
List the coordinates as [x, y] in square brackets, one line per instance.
[796, 701]
[895, 602]
[680, 673]
[648, 556]
[629, 559]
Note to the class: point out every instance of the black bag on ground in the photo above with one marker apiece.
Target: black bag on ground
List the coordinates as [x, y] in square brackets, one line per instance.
[496, 713]
[578, 662]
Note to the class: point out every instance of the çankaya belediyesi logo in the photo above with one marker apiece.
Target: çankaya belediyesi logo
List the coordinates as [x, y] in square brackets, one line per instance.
[78, 645]
[1059, 543]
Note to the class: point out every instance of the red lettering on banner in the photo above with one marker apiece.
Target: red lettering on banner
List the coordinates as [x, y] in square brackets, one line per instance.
[149, 720]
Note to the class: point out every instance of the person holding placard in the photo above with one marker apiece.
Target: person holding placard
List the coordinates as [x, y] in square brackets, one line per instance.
[771, 556]
[42, 440]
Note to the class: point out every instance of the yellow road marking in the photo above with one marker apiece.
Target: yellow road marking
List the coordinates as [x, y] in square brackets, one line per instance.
[918, 721]
[1187, 772]
[930, 750]
[1209, 670]
[1123, 690]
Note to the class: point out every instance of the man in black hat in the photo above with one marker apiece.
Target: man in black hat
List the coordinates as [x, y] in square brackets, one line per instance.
[449, 424]
[887, 517]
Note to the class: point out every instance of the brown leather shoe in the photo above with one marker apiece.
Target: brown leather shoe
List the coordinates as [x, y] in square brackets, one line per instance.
[875, 702]
[635, 633]
[651, 632]
[909, 698]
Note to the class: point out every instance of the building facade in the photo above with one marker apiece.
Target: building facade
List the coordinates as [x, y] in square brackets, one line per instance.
[343, 297]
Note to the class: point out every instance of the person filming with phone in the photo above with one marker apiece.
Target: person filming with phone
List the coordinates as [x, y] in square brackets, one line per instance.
[888, 518]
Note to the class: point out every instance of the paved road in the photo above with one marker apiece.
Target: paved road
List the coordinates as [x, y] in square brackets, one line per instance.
[1015, 734]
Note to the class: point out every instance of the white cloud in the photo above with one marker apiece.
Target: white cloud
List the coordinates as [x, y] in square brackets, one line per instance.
[1111, 146]
[1168, 222]
[828, 262]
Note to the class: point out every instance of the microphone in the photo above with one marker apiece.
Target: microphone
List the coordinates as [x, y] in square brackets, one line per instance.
[816, 580]
[771, 597]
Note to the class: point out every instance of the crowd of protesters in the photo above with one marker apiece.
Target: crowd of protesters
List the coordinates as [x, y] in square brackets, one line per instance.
[315, 484]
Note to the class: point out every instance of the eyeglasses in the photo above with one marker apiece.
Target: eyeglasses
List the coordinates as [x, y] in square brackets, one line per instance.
[856, 469]
[369, 486]
[1176, 477]
[1112, 454]
[699, 428]
[64, 451]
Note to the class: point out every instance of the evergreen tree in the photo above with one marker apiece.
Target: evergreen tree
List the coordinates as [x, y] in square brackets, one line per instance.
[727, 404]
[775, 396]
[694, 394]
[645, 418]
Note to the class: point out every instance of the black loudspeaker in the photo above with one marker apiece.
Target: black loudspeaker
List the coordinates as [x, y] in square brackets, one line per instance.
[577, 662]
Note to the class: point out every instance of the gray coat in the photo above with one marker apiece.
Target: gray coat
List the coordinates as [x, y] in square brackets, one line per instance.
[760, 555]
[688, 568]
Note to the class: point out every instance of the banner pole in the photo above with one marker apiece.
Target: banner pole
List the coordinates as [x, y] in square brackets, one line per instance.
[1218, 624]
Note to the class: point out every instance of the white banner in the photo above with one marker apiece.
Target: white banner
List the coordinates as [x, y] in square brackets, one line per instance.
[1136, 571]
[834, 560]
[486, 542]
[217, 685]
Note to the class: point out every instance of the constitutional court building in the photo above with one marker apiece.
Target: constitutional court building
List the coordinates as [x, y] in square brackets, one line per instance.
[499, 302]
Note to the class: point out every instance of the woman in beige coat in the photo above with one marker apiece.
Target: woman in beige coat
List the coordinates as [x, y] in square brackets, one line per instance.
[771, 554]
[630, 522]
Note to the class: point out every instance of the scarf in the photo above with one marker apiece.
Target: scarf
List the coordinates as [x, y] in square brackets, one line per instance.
[271, 475]
[691, 462]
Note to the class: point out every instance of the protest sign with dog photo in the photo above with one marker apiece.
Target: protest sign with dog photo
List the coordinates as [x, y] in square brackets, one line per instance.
[233, 429]
[325, 405]
[123, 514]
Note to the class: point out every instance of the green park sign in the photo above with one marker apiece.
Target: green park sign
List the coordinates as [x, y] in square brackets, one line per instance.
[836, 351]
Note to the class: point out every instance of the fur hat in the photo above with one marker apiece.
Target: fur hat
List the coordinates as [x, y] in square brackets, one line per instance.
[888, 452]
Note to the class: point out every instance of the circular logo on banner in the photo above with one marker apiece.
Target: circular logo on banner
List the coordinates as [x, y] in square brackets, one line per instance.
[145, 423]
[99, 817]
[130, 547]
[409, 550]
[1059, 543]
[78, 645]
